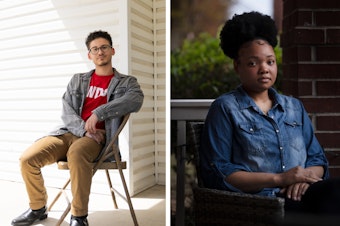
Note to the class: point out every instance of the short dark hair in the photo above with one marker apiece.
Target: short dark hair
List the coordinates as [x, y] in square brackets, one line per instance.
[244, 28]
[97, 34]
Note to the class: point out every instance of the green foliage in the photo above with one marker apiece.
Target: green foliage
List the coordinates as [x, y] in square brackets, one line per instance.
[200, 70]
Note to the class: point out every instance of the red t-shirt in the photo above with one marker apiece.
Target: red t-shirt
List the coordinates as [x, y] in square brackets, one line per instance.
[96, 96]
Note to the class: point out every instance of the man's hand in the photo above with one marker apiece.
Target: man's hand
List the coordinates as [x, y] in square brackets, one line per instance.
[91, 122]
[98, 136]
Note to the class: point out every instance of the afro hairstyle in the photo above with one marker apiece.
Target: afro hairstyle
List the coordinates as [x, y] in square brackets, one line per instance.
[244, 28]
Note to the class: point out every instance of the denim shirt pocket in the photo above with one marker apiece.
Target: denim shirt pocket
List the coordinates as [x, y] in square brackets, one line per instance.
[252, 138]
[292, 124]
[294, 134]
[77, 99]
[118, 92]
[76, 94]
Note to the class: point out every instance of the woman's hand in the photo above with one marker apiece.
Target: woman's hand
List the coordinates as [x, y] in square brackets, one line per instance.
[299, 175]
[295, 191]
[297, 180]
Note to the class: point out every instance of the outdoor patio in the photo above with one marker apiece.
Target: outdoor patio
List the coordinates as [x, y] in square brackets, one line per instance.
[149, 206]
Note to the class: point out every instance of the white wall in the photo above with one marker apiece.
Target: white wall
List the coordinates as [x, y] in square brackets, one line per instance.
[147, 33]
[42, 43]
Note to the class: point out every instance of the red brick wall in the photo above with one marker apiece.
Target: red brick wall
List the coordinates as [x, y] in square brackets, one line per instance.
[311, 66]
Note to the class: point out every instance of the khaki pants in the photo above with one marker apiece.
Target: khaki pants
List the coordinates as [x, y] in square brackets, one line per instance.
[80, 153]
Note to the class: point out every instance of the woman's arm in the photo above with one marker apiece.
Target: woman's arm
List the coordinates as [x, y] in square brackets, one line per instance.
[254, 182]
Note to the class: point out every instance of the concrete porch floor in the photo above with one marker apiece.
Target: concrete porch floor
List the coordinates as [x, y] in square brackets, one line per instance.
[149, 207]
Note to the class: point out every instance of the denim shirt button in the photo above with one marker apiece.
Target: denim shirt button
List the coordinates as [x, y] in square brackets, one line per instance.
[277, 131]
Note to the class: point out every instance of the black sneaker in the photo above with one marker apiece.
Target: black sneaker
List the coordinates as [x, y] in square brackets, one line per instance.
[79, 221]
[29, 217]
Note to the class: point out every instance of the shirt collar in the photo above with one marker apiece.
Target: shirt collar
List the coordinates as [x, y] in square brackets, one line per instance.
[245, 101]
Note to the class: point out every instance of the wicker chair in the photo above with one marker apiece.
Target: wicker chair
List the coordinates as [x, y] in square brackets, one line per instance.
[216, 207]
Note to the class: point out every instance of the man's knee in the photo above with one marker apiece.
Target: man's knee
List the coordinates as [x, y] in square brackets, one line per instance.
[81, 156]
[28, 159]
[83, 150]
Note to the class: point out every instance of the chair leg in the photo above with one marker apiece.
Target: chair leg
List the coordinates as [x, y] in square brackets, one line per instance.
[62, 191]
[111, 188]
[128, 198]
[67, 210]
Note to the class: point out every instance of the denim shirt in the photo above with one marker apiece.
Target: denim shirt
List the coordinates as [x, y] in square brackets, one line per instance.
[237, 136]
[124, 96]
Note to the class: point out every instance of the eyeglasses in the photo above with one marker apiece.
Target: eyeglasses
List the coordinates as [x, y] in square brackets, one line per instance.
[104, 48]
